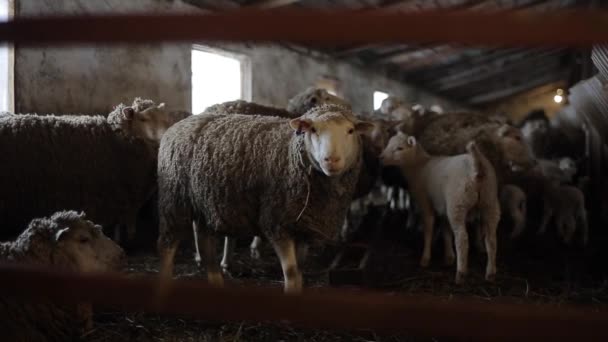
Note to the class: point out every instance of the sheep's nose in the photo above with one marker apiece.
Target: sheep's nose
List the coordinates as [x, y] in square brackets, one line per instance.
[332, 160]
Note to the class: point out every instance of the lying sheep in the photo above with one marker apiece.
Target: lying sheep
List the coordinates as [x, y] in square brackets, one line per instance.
[103, 166]
[448, 134]
[456, 187]
[513, 207]
[290, 181]
[65, 241]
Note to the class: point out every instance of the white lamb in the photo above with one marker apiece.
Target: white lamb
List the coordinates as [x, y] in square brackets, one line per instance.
[456, 187]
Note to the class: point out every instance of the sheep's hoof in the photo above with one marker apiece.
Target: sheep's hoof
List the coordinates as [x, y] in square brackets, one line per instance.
[255, 253]
[491, 277]
[425, 262]
[460, 277]
[215, 279]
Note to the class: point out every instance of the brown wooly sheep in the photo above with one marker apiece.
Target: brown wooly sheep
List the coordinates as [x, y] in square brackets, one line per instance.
[502, 144]
[312, 97]
[103, 166]
[452, 186]
[290, 181]
[64, 241]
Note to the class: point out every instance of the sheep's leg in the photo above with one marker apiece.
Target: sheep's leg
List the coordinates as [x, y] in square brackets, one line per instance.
[490, 221]
[302, 253]
[286, 251]
[228, 252]
[457, 219]
[197, 251]
[584, 225]
[519, 224]
[429, 221]
[547, 213]
[254, 248]
[448, 242]
[206, 241]
[167, 256]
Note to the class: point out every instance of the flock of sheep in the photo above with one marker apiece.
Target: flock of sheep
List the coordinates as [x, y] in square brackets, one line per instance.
[286, 176]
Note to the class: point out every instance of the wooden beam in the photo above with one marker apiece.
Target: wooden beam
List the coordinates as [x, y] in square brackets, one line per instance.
[516, 89]
[409, 54]
[268, 4]
[503, 66]
[561, 28]
[327, 308]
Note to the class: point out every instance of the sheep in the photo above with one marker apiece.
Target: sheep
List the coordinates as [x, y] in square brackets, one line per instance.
[452, 186]
[67, 241]
[566, 204]
[514, 207]
[103, 166]
[289, 181]
[312, 97]
[561, 171]
[502, 144]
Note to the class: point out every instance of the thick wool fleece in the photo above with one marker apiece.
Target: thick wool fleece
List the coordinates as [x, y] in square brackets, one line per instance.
[246, 175]
[85, 163]
[40, 321]
[449, 135]
[248, 108]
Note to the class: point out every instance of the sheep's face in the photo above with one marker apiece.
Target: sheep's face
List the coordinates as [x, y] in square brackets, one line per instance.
[515, 151]
[332, 140]
[534, 128]
[568, 165]
[401, 113]
[83, 243]
[401, 150]
[389, 104]
[151, 123]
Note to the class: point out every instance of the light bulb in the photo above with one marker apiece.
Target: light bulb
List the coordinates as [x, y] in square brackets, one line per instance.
[558, 98]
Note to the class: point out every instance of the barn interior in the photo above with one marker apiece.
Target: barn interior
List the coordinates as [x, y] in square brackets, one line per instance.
[555, 96]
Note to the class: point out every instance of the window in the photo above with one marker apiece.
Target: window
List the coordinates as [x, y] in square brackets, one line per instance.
[5, 65]
[217, 77]
[378, 98]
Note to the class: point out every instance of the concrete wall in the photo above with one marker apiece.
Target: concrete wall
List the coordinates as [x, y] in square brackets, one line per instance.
[93, 79]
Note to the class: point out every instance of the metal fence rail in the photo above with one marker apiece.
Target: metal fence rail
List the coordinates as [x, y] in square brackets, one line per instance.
[567, 27]
[318, 308]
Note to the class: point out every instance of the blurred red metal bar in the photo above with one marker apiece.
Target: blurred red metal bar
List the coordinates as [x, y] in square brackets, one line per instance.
[563, 28]
[316, 308]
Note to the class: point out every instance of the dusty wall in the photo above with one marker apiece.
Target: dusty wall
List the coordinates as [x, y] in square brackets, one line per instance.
[93, 79]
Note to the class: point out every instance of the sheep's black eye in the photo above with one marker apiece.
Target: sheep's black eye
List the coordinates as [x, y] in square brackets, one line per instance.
[351, 131]
[83, 239]
[313, 130]
[399, 148]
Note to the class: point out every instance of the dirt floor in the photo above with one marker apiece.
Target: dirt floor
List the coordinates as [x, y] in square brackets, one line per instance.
[530, 271]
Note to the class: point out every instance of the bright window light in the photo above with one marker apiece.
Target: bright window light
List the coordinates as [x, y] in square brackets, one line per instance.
[215, 79]
[378, 98]
[4, 67]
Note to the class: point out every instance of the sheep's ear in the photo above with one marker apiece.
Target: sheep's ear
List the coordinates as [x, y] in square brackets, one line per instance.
[161, 106]
[503, 130]
[363, 126]
[411, 141]
[61, 233]
[128, 112]
[300, 125]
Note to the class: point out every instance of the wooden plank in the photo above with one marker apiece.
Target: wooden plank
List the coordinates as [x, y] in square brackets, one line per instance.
[560, 28]
[316, 308]
[516, 89]
[268, 4]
